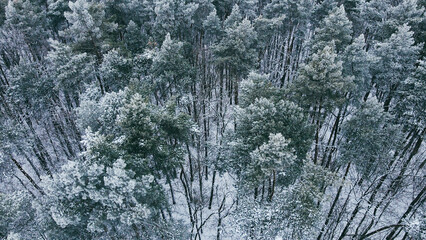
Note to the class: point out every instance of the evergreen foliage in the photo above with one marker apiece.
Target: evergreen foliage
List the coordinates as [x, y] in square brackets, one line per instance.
[212, 119]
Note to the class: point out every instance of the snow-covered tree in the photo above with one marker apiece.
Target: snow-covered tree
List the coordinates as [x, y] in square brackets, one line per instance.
[115, 70]
[272, 159]
[358, 63]
[371, 139]
[411, 100]
[16, 216]
[334, 27]
[88, 27]
[69, 71]
[398, 57]
[321, 83]
[237, 50]
[212, 119]
[29, 17]
[171, 70]
[92, 199]
[135, 38]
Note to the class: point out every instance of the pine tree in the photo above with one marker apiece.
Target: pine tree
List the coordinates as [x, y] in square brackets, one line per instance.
[302, 205]
[170, 68]
[115, 70]
[118, 117]
[173, 17]
[358, 62]
[398, 55]
[224, 8]
[273, 159]
[321, 10]
[234, 18]
[55, 11]
[113, 188]
[29, 17]
[70, 71]
[321, 83]
[411, 98]
[283, 16]
[289, 12]
[204, 8]
[236, 52]
[334, 27]
[32, 89]
[370, 139]
[88, 27]
[321, 87]
[256, 122]
[91, 200]
[135, 39]
[99, 112]
[212, 26]
[15, 214]
[257, 86]
[382, 18]
[148, 132]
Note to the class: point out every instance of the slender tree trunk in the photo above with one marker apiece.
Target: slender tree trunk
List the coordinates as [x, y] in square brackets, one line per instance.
[271, 194]
[200, 175]
[336, 198]
[30, 162]
[18, 165]
[318, 129]
[191, 172]
[330, 147]
[392, 90]
[212, 189]
[23, 185]
[420, 198]
[171, 188]
[187, 195]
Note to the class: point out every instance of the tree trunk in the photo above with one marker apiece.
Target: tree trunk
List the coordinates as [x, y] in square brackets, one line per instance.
[18, 165]
[271, 193]
[212, 190]
[336, 198]
[412, 207]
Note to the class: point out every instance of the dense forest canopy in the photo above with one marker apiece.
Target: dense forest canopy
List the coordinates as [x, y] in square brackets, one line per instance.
[212, 119]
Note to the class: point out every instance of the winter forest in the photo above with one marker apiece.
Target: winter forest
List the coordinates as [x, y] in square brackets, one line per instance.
[212, 119]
